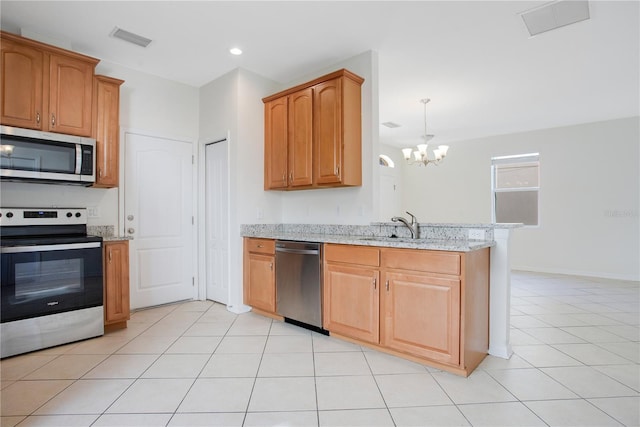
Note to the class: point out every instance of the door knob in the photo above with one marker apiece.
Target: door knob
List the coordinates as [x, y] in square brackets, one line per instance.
[130, 230]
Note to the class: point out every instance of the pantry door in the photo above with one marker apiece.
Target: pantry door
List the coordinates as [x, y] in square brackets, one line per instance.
[217, 220]
[158, 214]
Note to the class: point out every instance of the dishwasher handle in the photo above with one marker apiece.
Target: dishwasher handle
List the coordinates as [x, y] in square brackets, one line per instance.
[298, 251]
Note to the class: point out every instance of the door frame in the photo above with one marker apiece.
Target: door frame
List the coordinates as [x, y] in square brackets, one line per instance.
[201, 217]
[122, 225]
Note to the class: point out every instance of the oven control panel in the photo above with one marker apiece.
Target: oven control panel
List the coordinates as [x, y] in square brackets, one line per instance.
[45, 216]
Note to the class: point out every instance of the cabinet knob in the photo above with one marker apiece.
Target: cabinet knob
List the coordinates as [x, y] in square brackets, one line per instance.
[53, 119]
[37, 117]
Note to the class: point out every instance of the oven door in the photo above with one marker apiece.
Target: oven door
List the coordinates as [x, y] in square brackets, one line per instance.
[39, 280]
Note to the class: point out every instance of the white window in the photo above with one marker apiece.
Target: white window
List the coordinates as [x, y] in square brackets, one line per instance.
[386, 161]
[515, 184]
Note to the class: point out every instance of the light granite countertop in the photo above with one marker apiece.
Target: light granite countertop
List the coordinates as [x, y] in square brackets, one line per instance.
[374, 235]
[106, 232]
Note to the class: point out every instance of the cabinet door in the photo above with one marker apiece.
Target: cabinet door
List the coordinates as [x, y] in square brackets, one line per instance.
[351, 301]
[261, 281]
[275, 144]
[70, 95]
[422, 316]
[116, 278]
[328, 132]
[21, 80]
[300, 138]
[106, 130]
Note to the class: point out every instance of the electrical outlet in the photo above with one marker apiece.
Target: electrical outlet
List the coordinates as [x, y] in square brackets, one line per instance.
[93, 212]
[476, 234]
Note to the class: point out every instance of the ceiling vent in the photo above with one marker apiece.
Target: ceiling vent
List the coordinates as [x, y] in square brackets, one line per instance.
[130, 37]
[555, 15]
[391, 125]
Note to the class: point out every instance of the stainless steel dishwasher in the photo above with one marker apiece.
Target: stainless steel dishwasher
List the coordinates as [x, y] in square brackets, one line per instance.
[299, 282]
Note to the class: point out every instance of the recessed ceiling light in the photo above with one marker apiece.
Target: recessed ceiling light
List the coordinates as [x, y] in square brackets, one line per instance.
[235, 51]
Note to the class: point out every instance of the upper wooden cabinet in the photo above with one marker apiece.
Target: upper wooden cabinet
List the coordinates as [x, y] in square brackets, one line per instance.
[22, 72]
[70, 95]
[313, 134]
[300, 138]
[45, 87]
[106, 130]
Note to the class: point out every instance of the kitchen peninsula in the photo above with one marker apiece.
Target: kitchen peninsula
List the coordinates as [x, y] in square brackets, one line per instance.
[442, 299]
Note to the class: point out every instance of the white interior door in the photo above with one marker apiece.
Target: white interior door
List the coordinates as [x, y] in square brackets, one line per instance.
[217, 221]
[158, 211]
[389, 195]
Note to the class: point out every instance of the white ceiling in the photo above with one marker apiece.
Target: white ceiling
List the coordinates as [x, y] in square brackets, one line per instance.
[483, 72]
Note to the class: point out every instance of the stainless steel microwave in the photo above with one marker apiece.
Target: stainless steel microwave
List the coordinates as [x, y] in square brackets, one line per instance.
[46, 157]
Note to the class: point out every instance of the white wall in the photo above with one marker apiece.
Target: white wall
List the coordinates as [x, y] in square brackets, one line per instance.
[356, 205]
[231, 107]
[147, 103]
[589, 196]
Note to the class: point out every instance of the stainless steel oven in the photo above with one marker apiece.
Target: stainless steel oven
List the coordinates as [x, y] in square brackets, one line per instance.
[51, 287]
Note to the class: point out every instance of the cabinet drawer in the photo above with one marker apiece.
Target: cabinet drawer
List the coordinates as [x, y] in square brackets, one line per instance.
[261, 246]
[422, 260]
[362, 255]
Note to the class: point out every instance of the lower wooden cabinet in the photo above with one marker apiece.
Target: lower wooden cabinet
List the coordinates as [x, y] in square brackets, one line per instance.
[116, 284]
[432, 306]
[260, 274]
[351, 291]
[422, 316]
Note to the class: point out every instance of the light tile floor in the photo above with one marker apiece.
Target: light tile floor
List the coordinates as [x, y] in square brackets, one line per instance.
[576, 363]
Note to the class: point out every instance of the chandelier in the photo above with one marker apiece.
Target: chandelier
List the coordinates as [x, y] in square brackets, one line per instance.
[421, 155]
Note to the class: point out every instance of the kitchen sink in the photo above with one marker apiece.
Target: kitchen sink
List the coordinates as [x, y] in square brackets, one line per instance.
[395, 239]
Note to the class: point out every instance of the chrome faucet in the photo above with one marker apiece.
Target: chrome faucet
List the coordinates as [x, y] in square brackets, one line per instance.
[413, 226]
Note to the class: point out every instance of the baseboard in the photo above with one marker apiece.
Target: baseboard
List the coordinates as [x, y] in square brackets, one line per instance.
[568, 272]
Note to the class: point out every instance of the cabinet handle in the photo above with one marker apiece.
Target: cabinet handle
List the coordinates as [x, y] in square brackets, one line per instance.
[375, 283]
[109, 255]
[99, 173]
[338, 170]
[291, 177]
[259, 246]
[271, 266]
[53, 119]
[284, 177]
[387, 285]
[37, 117]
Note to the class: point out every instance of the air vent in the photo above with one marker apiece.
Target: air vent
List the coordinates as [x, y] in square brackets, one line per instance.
[555, 15]
[391, 125]
[130, 37]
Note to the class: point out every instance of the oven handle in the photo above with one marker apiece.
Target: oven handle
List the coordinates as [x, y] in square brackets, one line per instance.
[43, 248]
